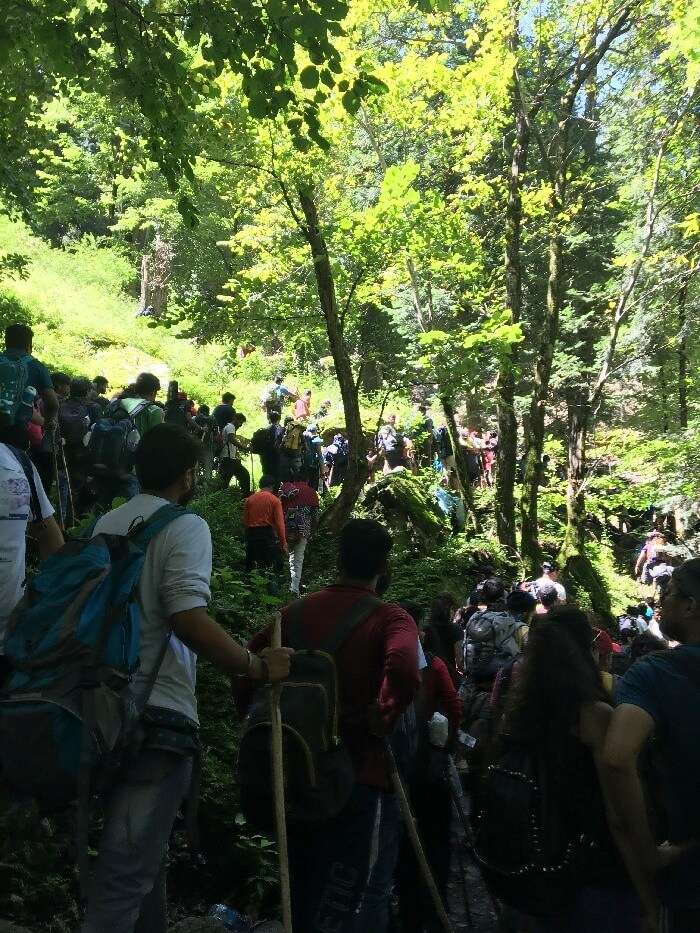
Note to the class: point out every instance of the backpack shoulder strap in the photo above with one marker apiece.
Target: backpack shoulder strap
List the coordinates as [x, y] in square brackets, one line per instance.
[358, 613]
[360, 610]
[28, 471]
[145, 531]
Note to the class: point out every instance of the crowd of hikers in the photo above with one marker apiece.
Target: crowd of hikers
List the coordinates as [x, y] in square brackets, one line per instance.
[570, 758]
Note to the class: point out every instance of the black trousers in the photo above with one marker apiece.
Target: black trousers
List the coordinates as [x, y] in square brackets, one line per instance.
[262, 549]
[229, 468]
[43, 461]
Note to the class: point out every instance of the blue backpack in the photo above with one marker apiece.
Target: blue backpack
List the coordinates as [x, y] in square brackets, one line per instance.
[68, 711]
[14, 378]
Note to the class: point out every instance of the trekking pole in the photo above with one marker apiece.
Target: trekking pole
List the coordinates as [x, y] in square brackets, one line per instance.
[278, 786]
[417, 845]
[455, 786]
[71, 504]
[61, 516]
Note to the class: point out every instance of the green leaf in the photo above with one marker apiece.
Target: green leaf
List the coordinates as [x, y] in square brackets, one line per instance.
[309, 77]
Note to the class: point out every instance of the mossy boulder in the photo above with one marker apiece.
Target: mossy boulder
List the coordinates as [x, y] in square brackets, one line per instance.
[405, 502]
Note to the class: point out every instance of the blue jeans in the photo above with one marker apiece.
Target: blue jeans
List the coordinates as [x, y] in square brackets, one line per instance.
[128, 891]
[373, 916]
[330, 863]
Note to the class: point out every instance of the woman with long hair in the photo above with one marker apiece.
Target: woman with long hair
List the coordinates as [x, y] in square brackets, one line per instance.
[443, 637]
[558, 711]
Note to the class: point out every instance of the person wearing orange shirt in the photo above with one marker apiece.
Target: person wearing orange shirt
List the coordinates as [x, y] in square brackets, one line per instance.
[265, 540]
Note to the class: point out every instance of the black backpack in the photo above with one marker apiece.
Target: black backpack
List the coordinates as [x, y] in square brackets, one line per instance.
[74, 421]
[318, 772]
[176, 413]
[529, 857]
[114, 439]
[263, 441]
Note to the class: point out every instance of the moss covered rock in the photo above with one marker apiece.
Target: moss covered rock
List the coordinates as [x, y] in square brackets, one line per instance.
[405, 502]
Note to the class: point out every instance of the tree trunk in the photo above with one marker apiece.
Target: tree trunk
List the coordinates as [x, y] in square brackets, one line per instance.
[507, 455]
[460, 462]
[575, 537]
[663, 392]
[682, 358]
[356, 473]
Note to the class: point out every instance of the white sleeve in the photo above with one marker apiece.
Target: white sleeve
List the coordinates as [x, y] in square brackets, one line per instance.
[186, 573]
[47, 509]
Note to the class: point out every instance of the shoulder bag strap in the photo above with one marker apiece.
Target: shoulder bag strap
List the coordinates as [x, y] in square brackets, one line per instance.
[144, 531]
[26, 465]
[360, 610]
[358, 613]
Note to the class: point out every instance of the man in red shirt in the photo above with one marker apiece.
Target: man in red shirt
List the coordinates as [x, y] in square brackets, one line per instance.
[331, 860]
[265, 540]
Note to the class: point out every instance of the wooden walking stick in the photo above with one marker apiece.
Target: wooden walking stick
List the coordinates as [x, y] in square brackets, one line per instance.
[416, 844]
[278, 785]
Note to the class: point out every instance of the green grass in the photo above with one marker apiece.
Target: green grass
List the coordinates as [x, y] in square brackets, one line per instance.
[82, 304]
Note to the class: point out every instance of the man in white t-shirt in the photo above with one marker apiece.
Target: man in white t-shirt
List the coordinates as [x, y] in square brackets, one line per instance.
[19, 513]
[550, 578]
[230, 457]
[128, 891]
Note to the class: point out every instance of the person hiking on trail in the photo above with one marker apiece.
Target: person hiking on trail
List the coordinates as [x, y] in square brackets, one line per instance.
[543, 809]
[658, 698]
[265, 538]
[230, 456]
[114, 437]
[336, 457]
[302, 407]
[377, 667]
[493, 637]
[41, 440]
[292, 449]
[547, 597]
[98, 392]
[549, 578]
[266, 442]
[323, 410]
[22, 376]
[446, 455]
[473, 446]
[128, 889]
[443, 637]
[431, 801]
[313, 456]
[22, 515]
[423, 435]
[648, 556]
[276, 395]
[224, 413]
[75, 418]
[391, 444]
[300, 505]
[489, 456]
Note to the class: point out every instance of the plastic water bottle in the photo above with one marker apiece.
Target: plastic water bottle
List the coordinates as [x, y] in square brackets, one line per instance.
[26, 406]
[438, 730]
[230, 919]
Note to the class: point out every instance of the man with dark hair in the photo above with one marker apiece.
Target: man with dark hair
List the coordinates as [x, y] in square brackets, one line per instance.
[493, 637]
[224, 413]
[128, 889]
[98, 392]
[18, 368]
[547, 597]
[265, 539]
[230, 456]
[377, 666]
[660, 696]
